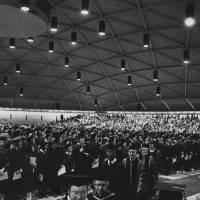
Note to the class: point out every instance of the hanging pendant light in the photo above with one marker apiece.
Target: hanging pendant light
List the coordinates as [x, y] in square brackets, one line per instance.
[54, 24]
[78, 76]
[66, 61]
[102, 28]
[189, 16]
[21, 92]
[25, 6]
[30, 39]
[12, 43]
[73, 38]
[146, 40]
[186, 56]
[85, 7]
[155, 75]
[88, 89]
[95, 102]
[130, 80]
[157, 91]
[123, 64]
[18, 68]
[51, 47]
[5, 81]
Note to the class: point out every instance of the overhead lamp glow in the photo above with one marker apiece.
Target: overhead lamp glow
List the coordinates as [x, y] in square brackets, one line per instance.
[102, 33]
[190, 21]
[74, 43]
[30, 39]
[189, 16]
[25, 8]
[84, 12]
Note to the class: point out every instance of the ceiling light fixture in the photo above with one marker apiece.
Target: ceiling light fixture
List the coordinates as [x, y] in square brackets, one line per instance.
[21, 92]
[73, 38]
[88, 89]
[66, 61]
[186, 56]
[12, 43]
[51, 47]
[95, 102]
[146, 40]
[30, 39]
[123, 64]
[102, 28]
[25, 6]
[5, 82]
[130, 80]
[54, 24]
[189, 15]
[157, 91]
[18, 66]
[78, 74]
[85, 7]
[155, 75]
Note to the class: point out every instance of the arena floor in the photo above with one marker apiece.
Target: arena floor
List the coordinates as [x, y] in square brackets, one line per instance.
[190, 179]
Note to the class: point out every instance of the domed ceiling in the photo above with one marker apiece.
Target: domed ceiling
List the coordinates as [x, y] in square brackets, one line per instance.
[47, 82]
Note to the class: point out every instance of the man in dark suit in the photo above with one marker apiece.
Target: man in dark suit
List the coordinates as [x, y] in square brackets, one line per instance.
[110, 166]
[148, 175]
[156, 154]
[128, 175]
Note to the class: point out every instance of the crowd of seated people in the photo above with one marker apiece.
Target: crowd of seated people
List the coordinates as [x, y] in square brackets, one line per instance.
[85, 142]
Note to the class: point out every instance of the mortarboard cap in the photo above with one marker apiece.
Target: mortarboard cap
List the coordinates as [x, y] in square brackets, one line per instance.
[145, 145]
[99, 174]
[75, 180]
[111, 147]
[133, 146]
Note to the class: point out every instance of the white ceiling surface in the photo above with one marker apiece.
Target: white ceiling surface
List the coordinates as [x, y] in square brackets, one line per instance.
[49, 85]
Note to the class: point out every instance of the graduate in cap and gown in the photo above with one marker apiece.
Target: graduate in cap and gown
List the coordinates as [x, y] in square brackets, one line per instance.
[76, 187]
[100, 187]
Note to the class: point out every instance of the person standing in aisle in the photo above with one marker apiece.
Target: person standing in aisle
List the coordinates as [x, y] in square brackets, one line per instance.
[128, 175]
[148, 175]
